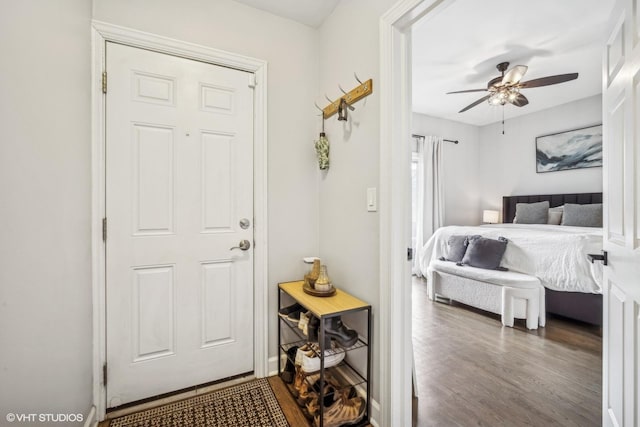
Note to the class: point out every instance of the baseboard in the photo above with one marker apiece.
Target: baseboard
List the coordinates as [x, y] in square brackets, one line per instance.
[375, 413]
[273, 364]
[90, 420]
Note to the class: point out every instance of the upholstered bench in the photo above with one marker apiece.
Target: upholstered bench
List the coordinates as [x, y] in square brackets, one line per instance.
[507, 293]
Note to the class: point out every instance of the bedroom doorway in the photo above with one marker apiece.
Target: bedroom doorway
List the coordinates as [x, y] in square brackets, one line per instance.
[396, 38]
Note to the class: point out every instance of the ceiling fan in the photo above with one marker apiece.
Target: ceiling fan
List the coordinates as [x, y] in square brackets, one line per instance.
[506, 88]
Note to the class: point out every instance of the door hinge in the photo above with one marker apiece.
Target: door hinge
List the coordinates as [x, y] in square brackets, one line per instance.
[252, 81]
[409, 254]
[104, 374]
[104, 82]
[104, 229]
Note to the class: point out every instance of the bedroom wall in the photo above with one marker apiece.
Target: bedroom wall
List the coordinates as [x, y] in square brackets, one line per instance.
[349, 235]
[292, 52]
[508, 161]
[45, 182]
[460, 165]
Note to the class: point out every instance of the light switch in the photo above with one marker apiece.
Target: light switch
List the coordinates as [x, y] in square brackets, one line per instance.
[372, 202]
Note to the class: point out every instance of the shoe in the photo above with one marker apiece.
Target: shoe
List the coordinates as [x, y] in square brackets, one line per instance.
[343, 411]
[308, 387]
[289, 370]
[314, 331]
[308, 357]
[329, 397]
[338, 331]
[291, 312]
[301, 381]
[304, 322]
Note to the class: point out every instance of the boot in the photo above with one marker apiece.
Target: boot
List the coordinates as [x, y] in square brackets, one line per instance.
[344, 410]
[289, 369]
[314, 333]
[344, 336]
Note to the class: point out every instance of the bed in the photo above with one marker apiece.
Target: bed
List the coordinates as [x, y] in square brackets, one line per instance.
[554, 254]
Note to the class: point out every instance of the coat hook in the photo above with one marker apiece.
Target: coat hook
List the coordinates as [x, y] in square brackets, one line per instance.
[318, 107]
[347, 97]
[356, 76]
[332, 102]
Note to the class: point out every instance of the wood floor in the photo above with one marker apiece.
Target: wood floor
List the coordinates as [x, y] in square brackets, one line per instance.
[472, 371]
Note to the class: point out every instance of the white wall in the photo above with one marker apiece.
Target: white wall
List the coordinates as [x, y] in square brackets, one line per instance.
[292, 52]
[460, 165]
[509, 161]
[349, 235]
[45, 182]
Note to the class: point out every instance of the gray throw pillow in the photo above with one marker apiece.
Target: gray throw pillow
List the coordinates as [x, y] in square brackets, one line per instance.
[532, 213]
[485, 253]
[582, 215]
[457, 247]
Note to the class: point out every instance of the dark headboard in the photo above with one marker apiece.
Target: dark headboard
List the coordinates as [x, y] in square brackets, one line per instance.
[509, 202]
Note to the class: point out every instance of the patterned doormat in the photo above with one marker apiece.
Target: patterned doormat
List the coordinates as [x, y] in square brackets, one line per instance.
[251, 404]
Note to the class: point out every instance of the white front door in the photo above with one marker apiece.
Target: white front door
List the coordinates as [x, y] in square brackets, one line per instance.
[179, 179]
[621, 287]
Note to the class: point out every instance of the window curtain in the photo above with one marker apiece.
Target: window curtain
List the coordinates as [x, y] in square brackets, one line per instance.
[430, 193]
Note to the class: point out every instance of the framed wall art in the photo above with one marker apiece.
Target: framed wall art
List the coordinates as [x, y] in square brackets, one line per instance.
[574, 149]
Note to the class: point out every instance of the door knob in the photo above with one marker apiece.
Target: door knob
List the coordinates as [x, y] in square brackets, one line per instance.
[243, 245]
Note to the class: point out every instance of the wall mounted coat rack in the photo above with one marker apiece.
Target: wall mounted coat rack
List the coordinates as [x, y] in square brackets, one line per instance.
[348, 99]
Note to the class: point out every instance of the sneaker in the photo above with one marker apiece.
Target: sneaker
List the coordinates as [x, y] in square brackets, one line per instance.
[307, 357]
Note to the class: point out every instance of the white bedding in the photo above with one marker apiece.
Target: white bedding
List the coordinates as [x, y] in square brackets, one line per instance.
[556, 254]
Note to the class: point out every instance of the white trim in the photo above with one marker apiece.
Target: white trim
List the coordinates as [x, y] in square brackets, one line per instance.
[273, 364]
[395, 213]
[375, 413]
[90, 420]
[102, 32]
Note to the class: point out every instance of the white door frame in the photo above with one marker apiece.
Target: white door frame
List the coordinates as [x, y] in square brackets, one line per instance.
[395, 202]
[102, 32]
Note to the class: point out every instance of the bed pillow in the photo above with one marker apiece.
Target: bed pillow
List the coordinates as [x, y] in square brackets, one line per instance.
[485, 253]
[555, 215]
[582, 215]
[457, 247]
[532, 213]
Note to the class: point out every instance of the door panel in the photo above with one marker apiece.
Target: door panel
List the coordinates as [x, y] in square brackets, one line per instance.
[179, 165]
[621, 71]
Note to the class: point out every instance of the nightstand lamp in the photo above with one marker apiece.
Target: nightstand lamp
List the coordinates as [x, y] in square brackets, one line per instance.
[490, 217]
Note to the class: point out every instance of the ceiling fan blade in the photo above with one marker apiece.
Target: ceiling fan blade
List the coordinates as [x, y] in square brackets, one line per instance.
[550, 80]
[467, 91]
[514, 75]
[519, 101]
[479, 101]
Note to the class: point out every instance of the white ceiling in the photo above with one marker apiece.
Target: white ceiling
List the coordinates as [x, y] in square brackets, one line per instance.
[309, 12]
[459, 47]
